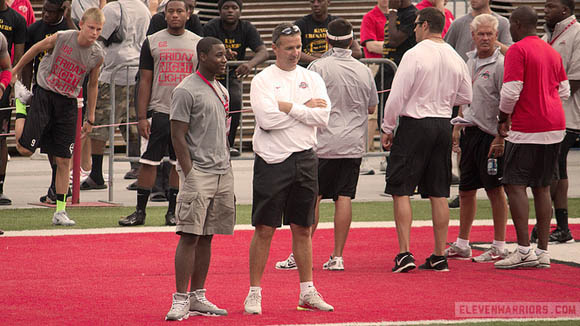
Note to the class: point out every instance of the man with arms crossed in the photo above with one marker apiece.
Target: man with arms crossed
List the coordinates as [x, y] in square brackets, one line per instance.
[205, 206]
[289, 103]
[167, 57]
[341, 145]
[534, 86]
[430, 80]
[53, 111]
[481, 141]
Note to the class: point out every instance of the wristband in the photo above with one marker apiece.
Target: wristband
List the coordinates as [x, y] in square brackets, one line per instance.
[393, 10]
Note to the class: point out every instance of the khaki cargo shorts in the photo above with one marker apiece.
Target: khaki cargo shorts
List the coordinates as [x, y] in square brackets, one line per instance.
[205, 203]
[103, 111]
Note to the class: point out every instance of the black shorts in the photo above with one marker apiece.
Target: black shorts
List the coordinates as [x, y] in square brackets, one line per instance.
[420, 156]
[532, 165]
[50, 123]
[159, 141]
[475, 145]
[567, 143]
[285, 190]
[338, 177]
[5, 113]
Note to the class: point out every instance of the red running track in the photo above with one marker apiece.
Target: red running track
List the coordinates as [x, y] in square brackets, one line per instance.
[127, 279]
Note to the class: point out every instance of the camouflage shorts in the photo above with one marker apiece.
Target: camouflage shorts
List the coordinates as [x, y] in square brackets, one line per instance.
[103, 111]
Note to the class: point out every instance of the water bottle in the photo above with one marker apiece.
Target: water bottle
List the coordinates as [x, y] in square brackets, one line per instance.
[492, 165]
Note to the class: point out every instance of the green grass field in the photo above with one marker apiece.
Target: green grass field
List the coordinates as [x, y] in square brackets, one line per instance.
[101, 217]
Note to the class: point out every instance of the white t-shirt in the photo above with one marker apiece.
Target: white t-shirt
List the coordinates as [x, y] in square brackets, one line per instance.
[277, 135]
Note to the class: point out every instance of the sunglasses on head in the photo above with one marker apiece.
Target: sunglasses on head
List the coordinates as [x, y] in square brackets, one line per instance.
[417, 23]
[288, 31]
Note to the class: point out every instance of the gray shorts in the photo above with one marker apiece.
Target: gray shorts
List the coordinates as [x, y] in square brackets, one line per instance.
[205, 203]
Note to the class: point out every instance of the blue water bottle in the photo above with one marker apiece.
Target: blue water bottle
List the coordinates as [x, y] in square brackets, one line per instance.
[492, 165]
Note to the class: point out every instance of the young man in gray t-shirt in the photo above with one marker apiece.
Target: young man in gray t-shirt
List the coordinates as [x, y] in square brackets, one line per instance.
[199, 110]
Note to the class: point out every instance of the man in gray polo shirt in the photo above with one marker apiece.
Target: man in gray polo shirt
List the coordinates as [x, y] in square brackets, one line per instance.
[481, 141]
[205, 204]
[459, 34]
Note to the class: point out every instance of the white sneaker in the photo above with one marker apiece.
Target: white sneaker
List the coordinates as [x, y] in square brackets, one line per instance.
[456, 252]
[200, 305]
[313, 301]
[289, 263]
[253, 303]
[179, 308]
[383, 165]
[334, 264]
[544, 260]
[61, 218]
[518, 260]
[490, 255]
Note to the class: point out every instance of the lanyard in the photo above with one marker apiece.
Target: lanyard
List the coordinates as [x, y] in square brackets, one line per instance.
[226, 104]
[555, 38]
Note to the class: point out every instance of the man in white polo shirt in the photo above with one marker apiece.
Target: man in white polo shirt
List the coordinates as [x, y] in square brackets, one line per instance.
[289, 103]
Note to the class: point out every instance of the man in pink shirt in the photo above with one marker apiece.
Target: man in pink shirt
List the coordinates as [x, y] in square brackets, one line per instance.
[439, 4]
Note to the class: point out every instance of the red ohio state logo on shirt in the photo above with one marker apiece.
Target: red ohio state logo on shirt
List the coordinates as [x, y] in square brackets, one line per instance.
[303, 85]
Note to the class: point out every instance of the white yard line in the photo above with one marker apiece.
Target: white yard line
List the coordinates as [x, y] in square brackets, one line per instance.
[443, 321]
[146, 229]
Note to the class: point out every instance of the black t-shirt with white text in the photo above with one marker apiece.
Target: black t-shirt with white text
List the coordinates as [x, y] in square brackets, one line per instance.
[158, 23]
[37, 32]
[313, 34]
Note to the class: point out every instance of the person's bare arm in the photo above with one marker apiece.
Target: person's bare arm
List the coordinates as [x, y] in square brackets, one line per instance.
[260, 56]
[357, 52]
[375, 46]
[145, 82]
[178, 131]
[92, 92]
[45, 45]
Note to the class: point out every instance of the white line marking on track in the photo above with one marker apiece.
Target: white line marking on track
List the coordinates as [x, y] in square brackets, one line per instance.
[443, 321]
[147, 229]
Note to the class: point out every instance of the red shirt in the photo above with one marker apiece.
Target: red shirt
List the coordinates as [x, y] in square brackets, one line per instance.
[448, 15]
[372, 28]
[24, 8]
[536, 64]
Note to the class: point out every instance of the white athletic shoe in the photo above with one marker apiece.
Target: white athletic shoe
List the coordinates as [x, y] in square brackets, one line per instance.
[61, 218]
[179, 308]
[287, 264]
[544, 260]
[313, 301]
[518, 260]
[200, 305]
[491, 254]
[456, 252]
[334, 264]
[253, 303]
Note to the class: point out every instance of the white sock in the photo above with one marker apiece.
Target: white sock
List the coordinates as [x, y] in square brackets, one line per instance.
[498, 244]
[306, 287]
[540, 251]
[255, 289]
[461, 243]
[524, 250]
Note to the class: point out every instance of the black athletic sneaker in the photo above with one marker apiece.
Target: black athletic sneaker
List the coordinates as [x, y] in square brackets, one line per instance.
[534, 235]
[170, 218]
[435, 263]
[50, 197]
[404, 262]
[561, 236]
[137, 218]
[454, 203]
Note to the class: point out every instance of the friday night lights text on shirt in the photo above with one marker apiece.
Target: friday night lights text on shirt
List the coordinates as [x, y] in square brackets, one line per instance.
[317, 40]
[174, 65]
[66, 73]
